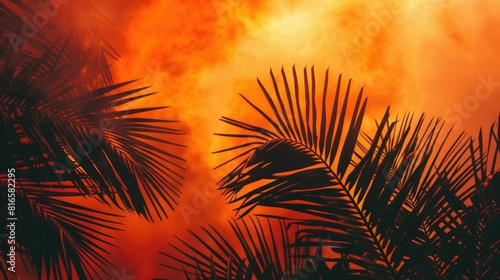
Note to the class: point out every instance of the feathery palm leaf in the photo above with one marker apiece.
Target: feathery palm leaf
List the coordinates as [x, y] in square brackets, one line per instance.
[68, 140]
[29, 35]
[88, 144]
[261, 256]
[479, 257]
[56, 237]
[267, 253]
[385, 201]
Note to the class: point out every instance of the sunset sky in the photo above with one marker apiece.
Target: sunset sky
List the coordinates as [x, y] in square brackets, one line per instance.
[438, 57]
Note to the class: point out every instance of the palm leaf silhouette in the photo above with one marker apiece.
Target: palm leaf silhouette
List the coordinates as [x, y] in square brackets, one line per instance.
[259, 258]
[389, 205]
[56, 237]
[264, 251]
[32, 40]
[478, 256]
[68, 140]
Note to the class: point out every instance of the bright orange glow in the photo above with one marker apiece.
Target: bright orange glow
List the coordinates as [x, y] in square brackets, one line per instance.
[438, 57]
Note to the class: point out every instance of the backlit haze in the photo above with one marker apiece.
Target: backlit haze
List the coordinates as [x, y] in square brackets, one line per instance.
[437, 57]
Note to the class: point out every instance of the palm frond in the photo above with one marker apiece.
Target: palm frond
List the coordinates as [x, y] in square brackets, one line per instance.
[480, 240]
[68, 139]
[388, 200]
[57, 237]
[261, 255]
[31, 28]
[88, 144]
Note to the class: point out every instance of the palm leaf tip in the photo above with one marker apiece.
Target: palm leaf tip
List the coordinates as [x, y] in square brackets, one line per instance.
[297, 128]
[74, 121]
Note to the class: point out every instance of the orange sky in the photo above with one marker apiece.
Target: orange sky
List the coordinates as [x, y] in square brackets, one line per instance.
[435, 57]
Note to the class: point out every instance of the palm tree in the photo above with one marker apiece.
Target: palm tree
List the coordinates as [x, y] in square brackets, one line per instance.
[66, 140]
[405, 201]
